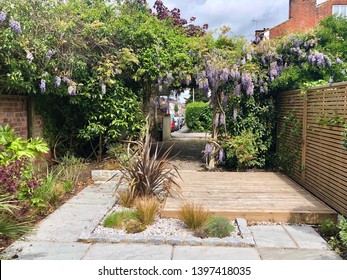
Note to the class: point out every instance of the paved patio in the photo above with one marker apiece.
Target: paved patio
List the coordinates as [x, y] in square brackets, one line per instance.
[55, 238]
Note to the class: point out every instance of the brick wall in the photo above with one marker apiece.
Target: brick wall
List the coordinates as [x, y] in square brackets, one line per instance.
[304, 15]
[14, 110]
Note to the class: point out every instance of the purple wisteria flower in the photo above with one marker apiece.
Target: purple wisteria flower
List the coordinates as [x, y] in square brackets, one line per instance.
[208, 149]
[343, 72]
[221, 155]
[50, 53]
[72, 90]
[43, 85]
[66, 80]
[250, 89]
[57, 82]
[246, 80]
[237, 89]
[235, 74]
[2, 16]
[339, 61]
[15, 26]
[30, 57]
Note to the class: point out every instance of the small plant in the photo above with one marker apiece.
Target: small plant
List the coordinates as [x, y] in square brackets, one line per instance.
[218, 227]
[125, 198]
[70, 169]
[119, 153]
[146, 208]
[342, 226]
[119, 219]
[134, 226]
[193, 215]
[328, 228]
[148, 173]
[9, 226]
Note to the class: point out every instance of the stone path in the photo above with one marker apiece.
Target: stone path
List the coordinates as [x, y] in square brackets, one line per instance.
[55, 238]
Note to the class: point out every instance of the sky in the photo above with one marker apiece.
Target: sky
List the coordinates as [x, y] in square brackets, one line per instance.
[243, 16]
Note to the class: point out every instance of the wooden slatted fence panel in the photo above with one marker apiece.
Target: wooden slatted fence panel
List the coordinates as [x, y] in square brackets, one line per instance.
[321, 162]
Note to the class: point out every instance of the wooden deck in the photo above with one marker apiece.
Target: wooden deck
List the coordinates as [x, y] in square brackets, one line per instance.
[255, 196]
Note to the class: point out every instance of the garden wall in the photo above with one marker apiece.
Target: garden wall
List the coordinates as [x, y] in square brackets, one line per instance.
[18, 111]
[320, 161]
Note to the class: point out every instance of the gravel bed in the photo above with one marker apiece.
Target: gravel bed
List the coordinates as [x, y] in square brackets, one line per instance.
[161, 227]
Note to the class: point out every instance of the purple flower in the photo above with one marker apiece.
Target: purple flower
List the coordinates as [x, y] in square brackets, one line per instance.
[208, 149]
[245, 80]
[250, 89]
[43, 85]
[331, 80]
[2, 16]
[339, 61]
[262, 59]
[66, 80]
[57, 81]
[30, 57]
[235, 74]
[72, 90]
[343, 72]
[50, 53]
[15, 26]
[237, 90]
[116, 71]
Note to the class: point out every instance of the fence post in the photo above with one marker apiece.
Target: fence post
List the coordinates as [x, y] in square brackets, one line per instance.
[304, 138]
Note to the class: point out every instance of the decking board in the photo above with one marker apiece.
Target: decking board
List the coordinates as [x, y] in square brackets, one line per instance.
[255, 196]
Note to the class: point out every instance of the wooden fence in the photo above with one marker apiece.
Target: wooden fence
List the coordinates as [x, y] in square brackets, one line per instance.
[316, 158]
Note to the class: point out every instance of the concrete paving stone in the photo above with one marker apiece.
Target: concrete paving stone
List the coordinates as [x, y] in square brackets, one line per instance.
[102, 188]
[174, 240]
[47, 251]
[136, 239]
[297, 254]
[214, 253]
[213, 242]
[233, 241]
[193, 241]
[128, 252]
[271, 237]
[93, 198]
[157, 240]
[306, 237]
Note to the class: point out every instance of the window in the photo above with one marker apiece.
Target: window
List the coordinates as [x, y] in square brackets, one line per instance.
[340, 10]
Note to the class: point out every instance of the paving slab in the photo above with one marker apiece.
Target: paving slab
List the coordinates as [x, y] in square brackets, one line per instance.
[306, 237]
[128, 252]
[272, 237]
[297, 254]
[47, 251]
[214, 253]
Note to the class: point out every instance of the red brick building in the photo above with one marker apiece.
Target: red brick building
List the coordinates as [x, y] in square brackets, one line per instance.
[306, 14]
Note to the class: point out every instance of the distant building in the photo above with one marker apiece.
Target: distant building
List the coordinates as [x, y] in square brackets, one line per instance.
[306, 14]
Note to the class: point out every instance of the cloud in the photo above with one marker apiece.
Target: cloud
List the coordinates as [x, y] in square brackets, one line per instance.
[243, 16]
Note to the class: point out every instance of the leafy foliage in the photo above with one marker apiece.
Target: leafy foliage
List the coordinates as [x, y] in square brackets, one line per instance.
[125, 198]
[119, 219]
[328, 228]
[193, 215]
[218, 227]
[149, 174]
[146, 208]
[198, 116]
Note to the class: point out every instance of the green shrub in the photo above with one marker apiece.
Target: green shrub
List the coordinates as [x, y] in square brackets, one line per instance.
[134, 226]
[146, 208]
[218, 227]
[198, 117]
[70, 169]
[244, 149]
[328, 228]
[342, 226]
[119, 152]
[118, 219]
[193, 215]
